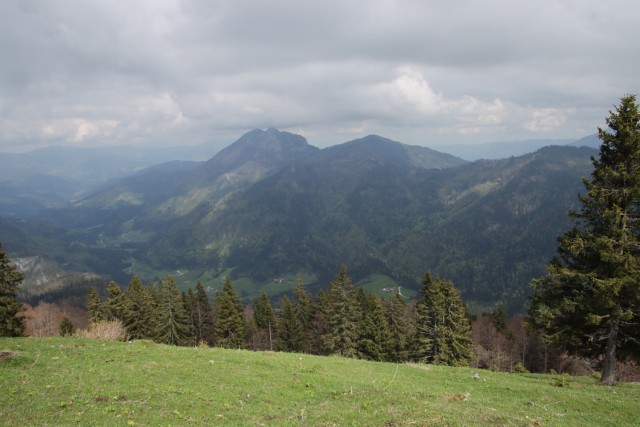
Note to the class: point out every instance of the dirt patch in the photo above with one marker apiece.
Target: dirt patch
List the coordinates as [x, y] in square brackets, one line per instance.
[6, 354]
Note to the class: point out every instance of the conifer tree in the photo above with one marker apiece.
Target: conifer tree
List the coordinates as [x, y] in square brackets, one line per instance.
[66, 328]
[117, 306]
[142, 320]
[263, 313]
[172, 318]
[305, 311]
[442, 329]
[229, 324]
[95, 309]
[189, 303]
[500, 318]
[291, 336]
[589, 301]
[318, 327]
[203, 317]
[265, 322]
[342, 316]
[374, 341]
[10, 279]
[399, 329]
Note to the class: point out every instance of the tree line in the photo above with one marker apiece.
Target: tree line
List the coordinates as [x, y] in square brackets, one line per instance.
[341, 320]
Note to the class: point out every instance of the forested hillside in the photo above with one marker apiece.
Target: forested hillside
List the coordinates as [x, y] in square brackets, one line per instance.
[271, 206]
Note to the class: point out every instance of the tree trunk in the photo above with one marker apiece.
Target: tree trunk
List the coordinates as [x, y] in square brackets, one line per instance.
[609, 365]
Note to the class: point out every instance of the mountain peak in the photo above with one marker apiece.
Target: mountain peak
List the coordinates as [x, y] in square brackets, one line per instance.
[376, 149]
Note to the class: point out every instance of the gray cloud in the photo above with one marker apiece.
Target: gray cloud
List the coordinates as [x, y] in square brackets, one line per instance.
[173, 72]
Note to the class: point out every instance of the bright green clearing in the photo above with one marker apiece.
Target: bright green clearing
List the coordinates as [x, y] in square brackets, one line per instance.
[69, 381]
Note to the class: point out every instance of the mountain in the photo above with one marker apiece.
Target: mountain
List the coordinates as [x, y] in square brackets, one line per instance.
[502, 149]
[271, 206]
[51, 177]
[490, 225]
[588, 141]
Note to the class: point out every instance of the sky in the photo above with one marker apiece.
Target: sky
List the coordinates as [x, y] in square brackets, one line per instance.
[423, 72]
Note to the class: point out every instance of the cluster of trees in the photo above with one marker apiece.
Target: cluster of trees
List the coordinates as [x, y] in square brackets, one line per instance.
[343, 320]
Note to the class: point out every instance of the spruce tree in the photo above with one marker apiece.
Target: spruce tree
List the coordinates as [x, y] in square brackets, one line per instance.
[291, 334]
[305, 311]
[95, 309]
[189, 303]
[589, 301]
[342, 317]
[442, 328]
[399, 329]
[203, 317]
[66, 328]
[229, 325]
[142, 317]
[10, 279]
[117, 306]
[173, 325]
[265, 323]
[374, 341]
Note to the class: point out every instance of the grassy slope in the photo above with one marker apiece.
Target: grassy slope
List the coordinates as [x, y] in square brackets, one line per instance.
[65, 381]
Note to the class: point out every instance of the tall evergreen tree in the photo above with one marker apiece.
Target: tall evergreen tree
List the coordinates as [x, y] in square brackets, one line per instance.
[589, 301]
[117, 306]
[10, 279]
[342, 316]
[265, 323]
[189, 302]
[95, 309]
[374, 341]
[399, 329]
[229, 325]
[318, 327]
[305, 311]
[442, 328]
[291, 336]
[142, 320]
[172, 318]
[203, 316]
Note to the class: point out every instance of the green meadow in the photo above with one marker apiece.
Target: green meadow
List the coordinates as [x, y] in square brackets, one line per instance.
[73, 381]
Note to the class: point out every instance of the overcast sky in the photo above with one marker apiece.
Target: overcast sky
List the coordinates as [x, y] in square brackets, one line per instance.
[423, 72]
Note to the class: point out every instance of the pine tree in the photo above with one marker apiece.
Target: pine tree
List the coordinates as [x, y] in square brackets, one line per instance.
[291, 336]
[318, 328]
[95, 309]
[589, 301]
[398, 329]
[117, 306]
[305, 311]
[229, 325]
[374, 341]
[342, 316]
[443, 332]
[499, 318]
[203, 317]
[141, 323]
[66, 328]
[189, 303]
[172, 318]
[10, 279]
[265, 323]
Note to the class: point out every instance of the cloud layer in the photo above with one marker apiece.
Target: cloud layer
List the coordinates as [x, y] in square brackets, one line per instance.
[172, 72]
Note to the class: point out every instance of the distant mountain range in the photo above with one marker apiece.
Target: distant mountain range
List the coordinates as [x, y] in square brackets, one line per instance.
[271, 206]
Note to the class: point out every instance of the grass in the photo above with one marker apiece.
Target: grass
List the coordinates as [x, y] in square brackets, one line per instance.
[377, 282]
[73, 381]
